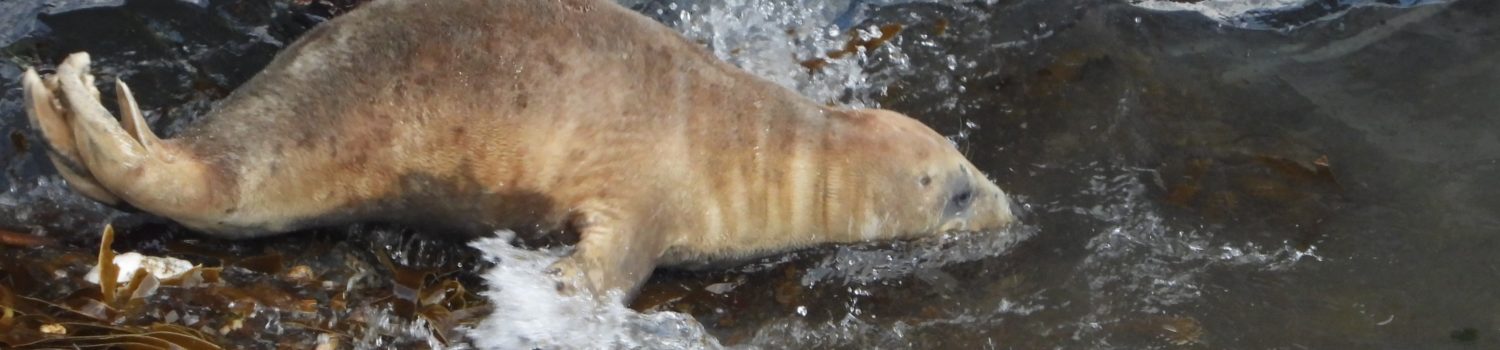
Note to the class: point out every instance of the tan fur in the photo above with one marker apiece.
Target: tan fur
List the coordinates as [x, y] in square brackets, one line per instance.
[533, 114]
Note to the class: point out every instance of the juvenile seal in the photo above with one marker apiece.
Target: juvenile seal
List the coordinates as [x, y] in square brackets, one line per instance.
[554, 116]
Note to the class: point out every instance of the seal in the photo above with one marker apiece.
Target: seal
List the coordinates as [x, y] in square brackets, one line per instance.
[564, 117]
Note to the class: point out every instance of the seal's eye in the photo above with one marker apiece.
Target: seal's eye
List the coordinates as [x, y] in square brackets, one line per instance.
[961, 199]
[925, 180]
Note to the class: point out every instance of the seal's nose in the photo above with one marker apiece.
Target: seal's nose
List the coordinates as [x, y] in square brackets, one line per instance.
[992, 210]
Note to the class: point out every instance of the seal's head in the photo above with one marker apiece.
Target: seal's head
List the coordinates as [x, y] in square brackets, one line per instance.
[920, 183]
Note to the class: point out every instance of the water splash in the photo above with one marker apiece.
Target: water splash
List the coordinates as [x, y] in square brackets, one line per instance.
[530, 313]
[773, 38]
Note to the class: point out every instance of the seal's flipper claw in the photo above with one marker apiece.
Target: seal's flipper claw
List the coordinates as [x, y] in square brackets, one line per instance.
[88, 81]
[47, 115]
[132, 119]
[611, 260]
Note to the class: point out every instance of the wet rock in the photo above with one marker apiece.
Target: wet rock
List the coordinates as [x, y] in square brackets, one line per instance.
[1466, 335]
[16, 14]
[1182, 330]
[789, 290]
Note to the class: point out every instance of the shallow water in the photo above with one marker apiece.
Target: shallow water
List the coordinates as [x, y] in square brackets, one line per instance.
[1295, 174]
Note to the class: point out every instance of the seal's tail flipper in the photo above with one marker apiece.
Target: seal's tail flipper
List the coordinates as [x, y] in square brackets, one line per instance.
[48, 115]
[109, 162]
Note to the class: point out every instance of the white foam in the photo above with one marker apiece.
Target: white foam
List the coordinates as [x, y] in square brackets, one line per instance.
[529, 313]
[1222, 10]
[771, 38]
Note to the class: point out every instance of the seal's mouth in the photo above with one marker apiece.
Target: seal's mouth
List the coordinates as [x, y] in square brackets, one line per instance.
[954, 226]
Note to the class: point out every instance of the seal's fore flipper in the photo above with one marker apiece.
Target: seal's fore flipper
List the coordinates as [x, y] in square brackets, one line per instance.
[48, 115]
[612, 258]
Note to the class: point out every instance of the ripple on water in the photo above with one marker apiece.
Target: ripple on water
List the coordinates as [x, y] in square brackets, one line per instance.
[1138, 266]
[1272, 14]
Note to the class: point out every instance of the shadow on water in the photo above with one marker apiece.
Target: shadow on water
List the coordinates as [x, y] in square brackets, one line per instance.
[1187, 183]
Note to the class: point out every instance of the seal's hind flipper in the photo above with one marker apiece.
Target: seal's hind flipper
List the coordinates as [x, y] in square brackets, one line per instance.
[113, 163]
[101, 140]
[47, 115]
[612, 258]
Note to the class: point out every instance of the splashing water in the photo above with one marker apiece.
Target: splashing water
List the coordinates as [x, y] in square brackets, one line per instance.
[772, 38]
[530, 313]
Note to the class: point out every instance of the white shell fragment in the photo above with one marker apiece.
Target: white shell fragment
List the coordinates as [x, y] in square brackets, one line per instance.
[721, 288]
[158, 266]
